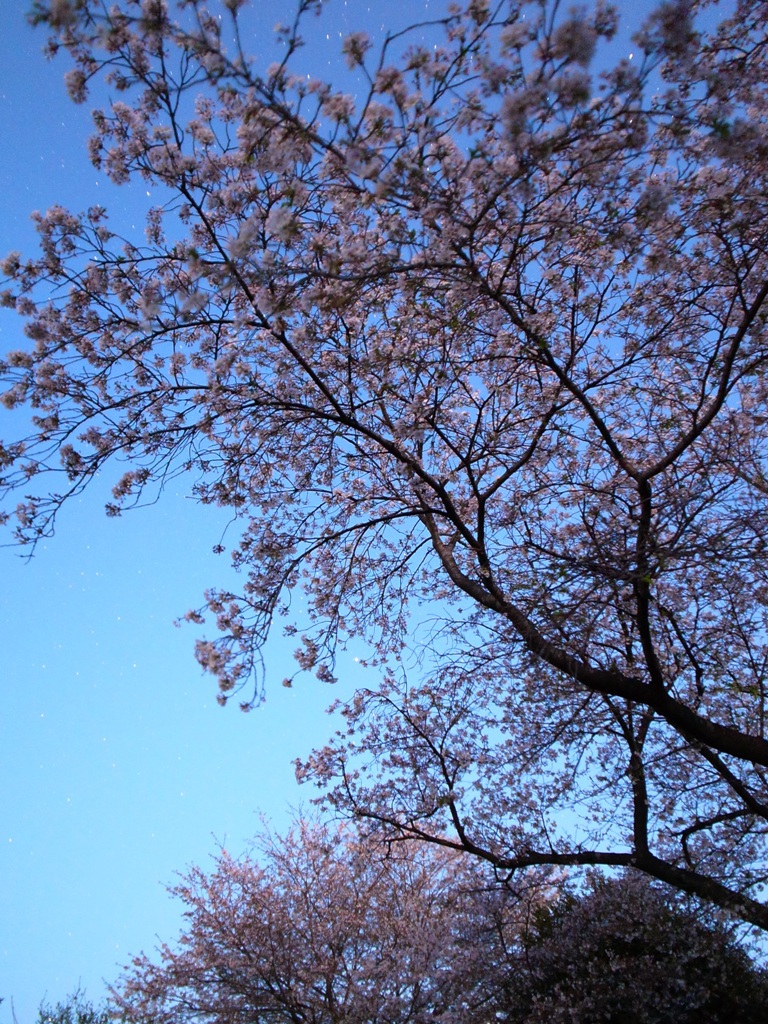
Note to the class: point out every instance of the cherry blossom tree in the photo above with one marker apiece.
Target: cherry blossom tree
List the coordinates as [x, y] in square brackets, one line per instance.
[320, 927]
[477, 359]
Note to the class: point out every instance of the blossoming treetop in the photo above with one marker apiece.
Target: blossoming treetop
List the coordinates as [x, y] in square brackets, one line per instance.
[489, 336]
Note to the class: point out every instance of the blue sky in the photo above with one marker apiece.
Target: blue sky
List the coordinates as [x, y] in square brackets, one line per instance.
[117, 768]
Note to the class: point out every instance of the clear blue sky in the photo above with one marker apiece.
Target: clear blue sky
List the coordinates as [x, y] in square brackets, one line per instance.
[117, 768]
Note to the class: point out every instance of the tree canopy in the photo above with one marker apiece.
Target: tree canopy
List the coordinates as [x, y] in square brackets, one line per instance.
[321, 926]
[477, 359]
[75, 1009]
[624, 951]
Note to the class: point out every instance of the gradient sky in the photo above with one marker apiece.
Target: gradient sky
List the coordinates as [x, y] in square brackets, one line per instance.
[117, 768]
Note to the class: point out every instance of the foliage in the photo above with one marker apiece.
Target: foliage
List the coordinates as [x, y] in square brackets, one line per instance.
[477, 359]
[75, 1009]
[319, 927]
[625, 952]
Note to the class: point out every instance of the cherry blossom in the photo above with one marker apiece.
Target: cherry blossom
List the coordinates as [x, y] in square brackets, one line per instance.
[322, 926]
[319, 926]
[476, 357]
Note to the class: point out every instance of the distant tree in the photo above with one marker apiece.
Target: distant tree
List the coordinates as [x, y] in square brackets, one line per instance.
[75, 1009]
[623, 953]
[484, 343]
[321, 927]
